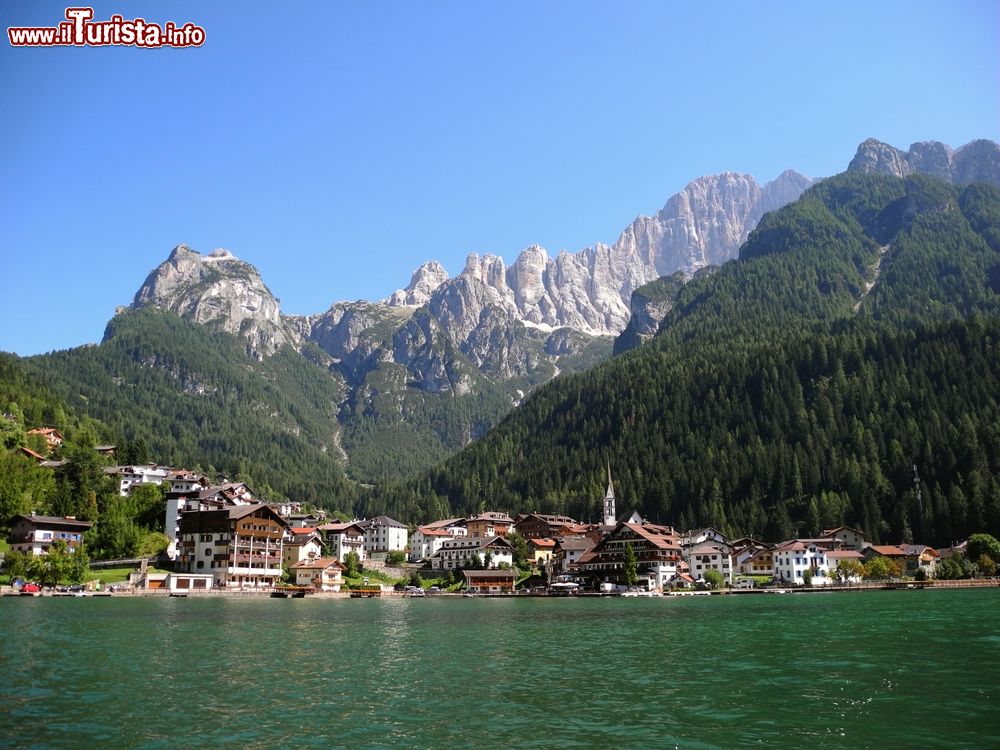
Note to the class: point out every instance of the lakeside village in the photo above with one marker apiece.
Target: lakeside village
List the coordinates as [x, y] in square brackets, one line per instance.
[222, 538]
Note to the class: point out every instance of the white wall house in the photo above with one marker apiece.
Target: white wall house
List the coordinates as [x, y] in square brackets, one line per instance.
[425, 542]
[794, 557]
[707, 556]
[383, 535]
[344, 538]
[128, 477]
[461, 551]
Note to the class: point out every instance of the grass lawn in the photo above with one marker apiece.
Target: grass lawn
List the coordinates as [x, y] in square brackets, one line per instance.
[4, 546]
[117, 575]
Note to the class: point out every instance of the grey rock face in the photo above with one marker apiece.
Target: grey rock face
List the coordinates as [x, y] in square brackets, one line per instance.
[221, 291]
[977, 161]
[422, 284]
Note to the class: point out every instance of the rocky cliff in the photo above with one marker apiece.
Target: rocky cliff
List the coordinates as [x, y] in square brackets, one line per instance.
[976, 161]
[221, 291]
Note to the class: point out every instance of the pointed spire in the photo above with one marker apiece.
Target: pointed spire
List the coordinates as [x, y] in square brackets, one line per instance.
[610, 516]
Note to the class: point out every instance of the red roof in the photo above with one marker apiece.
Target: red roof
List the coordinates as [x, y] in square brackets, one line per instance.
[543, 542]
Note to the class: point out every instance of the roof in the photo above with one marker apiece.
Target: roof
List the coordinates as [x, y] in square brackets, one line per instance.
[426, 531]
[886, 550]
[494, 516]
[844, 554]
[543, 542]
[913, 550]
[318, 563]
[36, 456]
[55, 520]
[831, 532]
[380, 521]
[444, 523]
[652, 533]
[546, 518]
[490, 574]
[575, 543]
[478, 542]
[340, 527]
[45, 431]
[301, 530]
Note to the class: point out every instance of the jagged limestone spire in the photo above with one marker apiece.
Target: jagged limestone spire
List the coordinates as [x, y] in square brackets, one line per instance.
[610, 517]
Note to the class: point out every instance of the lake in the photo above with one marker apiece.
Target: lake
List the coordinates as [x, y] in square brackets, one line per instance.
[893, 669]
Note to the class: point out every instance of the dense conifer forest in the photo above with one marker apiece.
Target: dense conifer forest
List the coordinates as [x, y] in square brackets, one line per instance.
[844, 370]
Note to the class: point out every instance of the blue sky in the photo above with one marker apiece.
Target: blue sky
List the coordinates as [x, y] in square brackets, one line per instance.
[338, 145]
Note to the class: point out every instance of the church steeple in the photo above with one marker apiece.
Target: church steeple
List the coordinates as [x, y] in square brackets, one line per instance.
[610, 517]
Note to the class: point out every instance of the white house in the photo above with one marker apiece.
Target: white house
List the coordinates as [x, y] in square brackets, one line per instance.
[847, 537]
[461, 551]
[425, 542]
[323, 573]
[344, 538]
[384, 535]
[794, 557]
[707, 556]
[132, 476]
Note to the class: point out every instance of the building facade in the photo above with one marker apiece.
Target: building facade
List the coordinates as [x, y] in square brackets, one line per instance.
[241, 546]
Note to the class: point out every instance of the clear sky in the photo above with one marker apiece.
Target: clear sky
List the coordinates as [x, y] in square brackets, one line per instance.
[338, 145]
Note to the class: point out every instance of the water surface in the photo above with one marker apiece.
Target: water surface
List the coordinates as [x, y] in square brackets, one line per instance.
[879, 670]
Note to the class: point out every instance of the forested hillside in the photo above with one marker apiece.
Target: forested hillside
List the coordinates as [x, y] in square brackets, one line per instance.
[197, 400]
[797, 388]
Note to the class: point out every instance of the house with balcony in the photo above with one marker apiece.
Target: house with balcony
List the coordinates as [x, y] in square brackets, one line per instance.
[383, 535]
[343, 538]
[427, 540]
[796, 556]
[34, 535]
[464, 551]
[543, 526]
[919, 557]
[240, 546]
[709, 555]
[53, 438]
[656, 549]
[567, 550]
[129, 477]
[323, 573]
[491, 582]
[849, 538]
[302, 544]
[489, 524]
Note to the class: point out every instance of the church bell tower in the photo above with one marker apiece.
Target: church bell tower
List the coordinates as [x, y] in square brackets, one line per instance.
[610, 517]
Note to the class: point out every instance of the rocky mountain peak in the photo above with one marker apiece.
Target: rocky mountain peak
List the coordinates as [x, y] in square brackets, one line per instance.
[221, 291]
[423, 282]
[977, 161]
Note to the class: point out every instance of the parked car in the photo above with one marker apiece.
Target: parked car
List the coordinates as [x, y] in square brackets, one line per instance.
[31, 588]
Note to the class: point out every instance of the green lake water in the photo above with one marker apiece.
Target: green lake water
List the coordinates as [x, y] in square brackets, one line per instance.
[882, 670]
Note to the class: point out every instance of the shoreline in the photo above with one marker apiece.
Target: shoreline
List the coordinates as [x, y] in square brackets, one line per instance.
[8, 591]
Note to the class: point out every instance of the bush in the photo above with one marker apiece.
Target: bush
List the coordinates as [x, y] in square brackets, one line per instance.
[920, 575]
[395, 558]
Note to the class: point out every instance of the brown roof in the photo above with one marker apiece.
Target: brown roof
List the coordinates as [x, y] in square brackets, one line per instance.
[844, 554]
[319, 563]
[491, 574]
[653, 533]
[428, 531]
[337, 527]
[576, 542]
[887, 550]
[36, 456]
[55, 520]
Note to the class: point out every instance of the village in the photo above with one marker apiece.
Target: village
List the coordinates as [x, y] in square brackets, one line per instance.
[223, 538]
